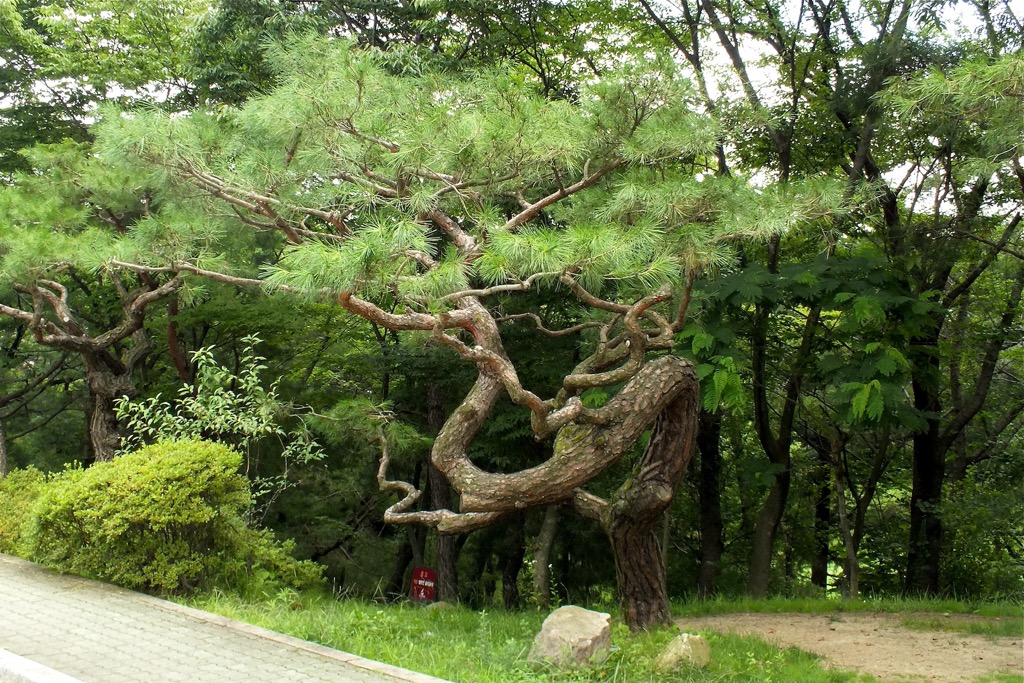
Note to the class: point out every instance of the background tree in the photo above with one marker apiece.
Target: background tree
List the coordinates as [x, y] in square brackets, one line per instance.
[815, 106]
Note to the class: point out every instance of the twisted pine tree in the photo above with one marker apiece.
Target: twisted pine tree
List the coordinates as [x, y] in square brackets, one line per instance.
[421, 201]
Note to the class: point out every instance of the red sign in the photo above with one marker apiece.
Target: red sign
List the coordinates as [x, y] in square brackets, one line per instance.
[423, 582]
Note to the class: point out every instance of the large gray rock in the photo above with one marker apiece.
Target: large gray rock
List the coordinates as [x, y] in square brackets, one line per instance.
[573, 636]
[687, 650]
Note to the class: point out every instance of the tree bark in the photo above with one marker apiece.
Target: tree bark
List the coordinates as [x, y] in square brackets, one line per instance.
[837, 445]
[631, 519]
[178, 356]
[581, 450]
[711, 545]
[542, 556]
[769, 517]
[104, 437]
[924, 551]
[822, 524]
[109, 379]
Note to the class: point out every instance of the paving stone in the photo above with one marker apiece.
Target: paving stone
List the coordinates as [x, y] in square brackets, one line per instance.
[99, 634]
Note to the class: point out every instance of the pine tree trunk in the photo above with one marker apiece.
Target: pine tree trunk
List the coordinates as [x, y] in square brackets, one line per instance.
[711, 545]
[632, 518]
[103, 434]
[642, 584]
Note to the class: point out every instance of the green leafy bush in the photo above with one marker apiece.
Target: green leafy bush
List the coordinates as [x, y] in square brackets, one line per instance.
[18, 492]
[168, 517]
[230, 407]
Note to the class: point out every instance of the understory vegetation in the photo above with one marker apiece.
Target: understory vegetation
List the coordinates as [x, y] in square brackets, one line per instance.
[168, 518]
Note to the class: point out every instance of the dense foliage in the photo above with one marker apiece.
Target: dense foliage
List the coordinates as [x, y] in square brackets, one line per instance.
[822, 201]
[19, 491]
[168, 517]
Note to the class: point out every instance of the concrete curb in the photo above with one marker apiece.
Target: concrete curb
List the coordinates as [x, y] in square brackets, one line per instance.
[16, 669]
[369, 665]
[260, 632]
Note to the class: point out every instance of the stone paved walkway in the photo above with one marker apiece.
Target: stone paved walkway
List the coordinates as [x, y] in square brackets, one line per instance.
[97, 633]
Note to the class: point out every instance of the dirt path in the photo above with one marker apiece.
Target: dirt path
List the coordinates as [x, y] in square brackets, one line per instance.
[877, 644]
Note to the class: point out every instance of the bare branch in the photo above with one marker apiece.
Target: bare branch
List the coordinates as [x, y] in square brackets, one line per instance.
[684, 304]
[466, 243]
[348, 127]
[539, 324]
[590, 506]
[985, 262]
[591, 300]
[37, 381]
[363, 182]
[445, 521]
[523, 286]
[637, 342]
[534, 209]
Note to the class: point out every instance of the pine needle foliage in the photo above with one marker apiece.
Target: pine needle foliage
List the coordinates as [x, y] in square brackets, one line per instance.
[343, 135]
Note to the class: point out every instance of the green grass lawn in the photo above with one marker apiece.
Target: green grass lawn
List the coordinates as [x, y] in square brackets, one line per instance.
[467, 646]
[490, 647]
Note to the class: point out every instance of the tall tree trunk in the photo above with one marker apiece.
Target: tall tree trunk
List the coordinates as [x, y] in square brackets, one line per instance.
[515, 552]
[837, 445]
[822, 523]
[178, 356]
[739, 450]
[104, 437]
[711, 544]
[441, 499]
[766, 528]
[929, 463]
[447, 544]
[631, 520]
[542, 556]
[4, 466]
[776, 446]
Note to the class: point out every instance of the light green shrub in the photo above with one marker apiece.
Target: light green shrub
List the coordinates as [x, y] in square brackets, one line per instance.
[18, 493]
[168, 517]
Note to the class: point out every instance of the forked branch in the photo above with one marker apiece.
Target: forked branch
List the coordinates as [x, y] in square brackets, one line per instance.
[445, 521]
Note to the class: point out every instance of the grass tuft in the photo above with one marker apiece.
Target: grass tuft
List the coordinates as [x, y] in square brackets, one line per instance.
[995, 627]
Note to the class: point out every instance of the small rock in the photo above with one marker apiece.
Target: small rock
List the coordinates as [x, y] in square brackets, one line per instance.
[686, 649]
[573, 636]
[440, 606]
